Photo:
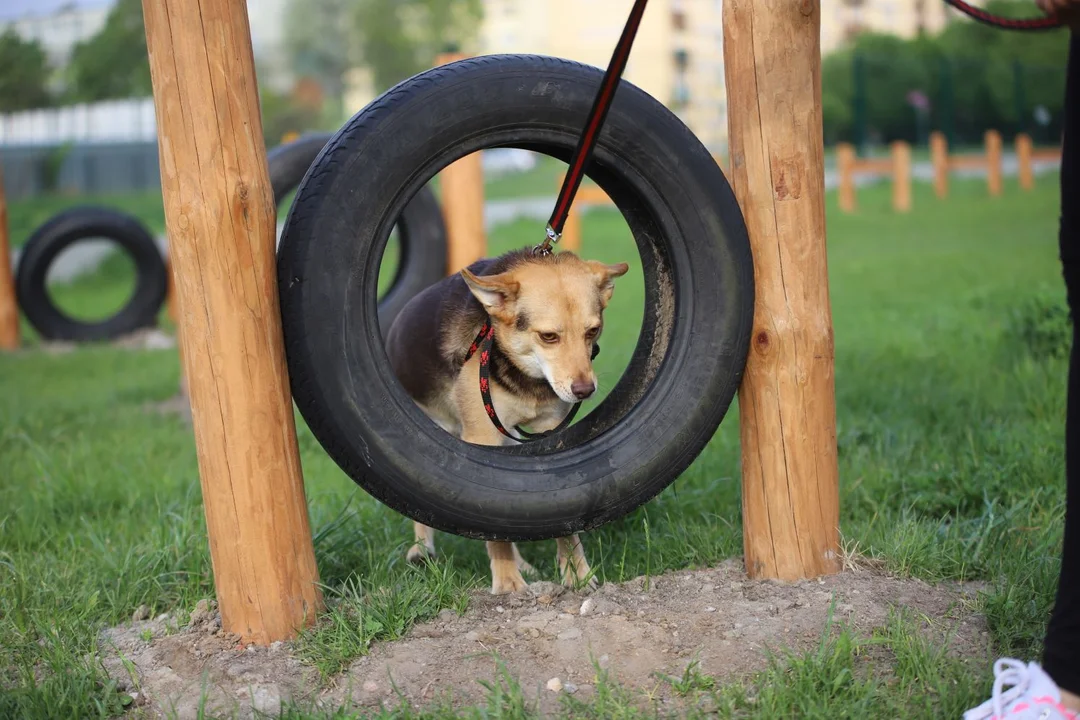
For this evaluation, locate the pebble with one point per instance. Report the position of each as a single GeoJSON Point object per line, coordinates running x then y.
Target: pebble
{"type": "Point", "coordinates": [276, 646]}
{"type": "Point", "coordinates": [472, 636]}
{"type": "Point", "coordinates": [554, 684]}
{"type": "Point", "coordinates": [570, 688]}
{"type": "Point", "coordinates": [545, 600]}
{"type": "Point", "coordinates": [570, 634]}
{"type": "Point", "coordinates": [446, 615]}
{"type": "Point", "coordinates": [710, 609]}
{"type": "Point", "coordinates": [141, 613]}
{"type": "Point", "coordinates": [499, 609]}
{"type": "Point", "coordinates": [587, 607]}
{"type": "Point", "coordinates": [370, 686]}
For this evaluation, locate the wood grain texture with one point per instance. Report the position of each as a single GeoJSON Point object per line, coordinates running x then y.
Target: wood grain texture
{"type": "Point", "coordinates": [462, 186]}
{"type": "Point", "coordinates": [9, 306]}
{"type": "Point", "coordinates": [220, 219]}
{"type": "Point", "coordinates": [787, 410]}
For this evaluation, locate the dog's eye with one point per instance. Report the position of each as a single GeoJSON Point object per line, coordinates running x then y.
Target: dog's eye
{"type": "Point", "coordinates": [549, 337]}
{"type": "Point", "coordinates": [591, 333]}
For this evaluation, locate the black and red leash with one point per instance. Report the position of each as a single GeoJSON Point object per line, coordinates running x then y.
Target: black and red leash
{"type": "Point", "coordinates": [588, 138]}
{"type": "Point", "coordinates": [1004, 23]}
{"type": "Point", "coordinates": [484, 343]}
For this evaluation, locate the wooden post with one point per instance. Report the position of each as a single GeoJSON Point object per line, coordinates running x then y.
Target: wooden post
{"type": "Point", "coordinates": [571, 234]}
{"type": "Point", "coordinates": [1023, 160]}
{"type": "Point", "coordinates": [845, 167]}
{"type": "Point", "coordinates": [9, 306]}
{"type": "Point", "coordinates": [787, 404]}
{"type": "Point", "coordinates": [993, 162]}
{"type": "Point", "coordinates": [220, 218]}
{"type": "Point", "coordinates": [939, 156]}
{"type": "Point", "coordinates": [462, 185]}
{"type": "Point", "coordinates": [901, 172]}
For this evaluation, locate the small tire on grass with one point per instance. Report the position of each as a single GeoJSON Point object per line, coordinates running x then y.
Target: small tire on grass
{"type": "Point", "coordinates": [86, 223]}
{"type": "Point", "coordinates": [691, 352]}
{"type": "Point", "coordinates": [422, 239]}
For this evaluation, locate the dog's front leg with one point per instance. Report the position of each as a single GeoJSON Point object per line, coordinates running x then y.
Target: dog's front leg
{"type": "Point", "coordinates": [572, 563]}
{"type": "Point", "coordinates": [425, 544]}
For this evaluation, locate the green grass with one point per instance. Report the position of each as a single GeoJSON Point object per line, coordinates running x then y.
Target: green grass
{"type": "Point", "coordinates": [950, 382]}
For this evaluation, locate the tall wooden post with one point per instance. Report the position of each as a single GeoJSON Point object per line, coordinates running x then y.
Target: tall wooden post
{"type": "Point", "coordinates": [845, 167]}
{"type": "Point", "coordinates": [939, 157]}
{"type": "Point", "coordinates": [219, 214]}
{"type": "Point", "coordinates": [1025, 172]}
{"type": "Point", "coordinates": [993, 162]}
{"type": "Point", "coordinates": [462, 186]}
{"type": "Point", "coordinates": [787, 405]}
{"type": "Point", "coordinates": [901, 172]}
{"type": "Point", "coordinates": [9, 306]}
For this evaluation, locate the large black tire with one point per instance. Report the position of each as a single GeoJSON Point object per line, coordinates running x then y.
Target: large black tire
{"type": "Point", "coordinates": [686, 368]}
{"type": "Point", "coordinates": [67, 228]}
{"type": "Point", "coordinates": [421, 230]}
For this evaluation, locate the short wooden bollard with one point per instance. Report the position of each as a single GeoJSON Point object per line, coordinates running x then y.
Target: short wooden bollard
{"type": "Point", "coordinates": [1025, 173]}
{"type": "Point", "coordinates": [220, 219]}
{"type": "Point", "coordinates": [898, 166]}
{"type": "Point", "coordinates": [993, 162]}
{"type": "Point", "coordinates": [901, 185]}
{"type": "Point", "coordinates": [787, 403]}
{"type": "Point", "coordinates": [939, 158]}
{"type": "Point", "coordinates": [9, 306]}
{"type": "Point", "coordinates": [586, 194]}
{"type": "Point", "coordinates": [462, 188]}
{"type": "Point", "coordinates": [845, 166]}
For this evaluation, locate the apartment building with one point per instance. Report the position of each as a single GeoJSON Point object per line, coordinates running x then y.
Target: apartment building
{"type": "Point", "coordinates": [841, 20]}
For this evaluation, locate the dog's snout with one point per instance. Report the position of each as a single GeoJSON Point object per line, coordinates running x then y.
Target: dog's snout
{"type": "Point", "coordinates": [582, 388]}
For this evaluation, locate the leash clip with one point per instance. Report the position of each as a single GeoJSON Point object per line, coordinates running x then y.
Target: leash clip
{"type": "Point", "coordinates": [544, 248]}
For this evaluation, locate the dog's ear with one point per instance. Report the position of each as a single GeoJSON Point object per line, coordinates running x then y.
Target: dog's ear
{"type": "Point", "coordinates": [605, 278]}
{"type": "Point", "coordinates": [497, 293]}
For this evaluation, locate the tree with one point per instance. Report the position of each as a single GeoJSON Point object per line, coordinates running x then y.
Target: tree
{"type": "Point", "coordinates": [24, 72]}
{"type": "Point", "coordinates": [113, 63]}
{"type": "Point", "coordinates": [399, 38]}
{"type": "Point", "coordinates": [318, 41]}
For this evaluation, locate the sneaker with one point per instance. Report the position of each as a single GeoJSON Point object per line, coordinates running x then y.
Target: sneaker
{"type": "Point", "coordinates": [1032, 695]}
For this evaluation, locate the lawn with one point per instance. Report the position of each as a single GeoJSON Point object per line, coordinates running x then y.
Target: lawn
{"type": "Point", "coordinates": [950, 377]}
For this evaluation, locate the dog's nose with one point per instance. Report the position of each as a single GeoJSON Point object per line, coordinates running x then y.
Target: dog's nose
{"type": "Point", "coordinates": [583, 390]}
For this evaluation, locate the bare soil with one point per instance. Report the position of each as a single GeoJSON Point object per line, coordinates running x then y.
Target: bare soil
{"type": "Point", "coordinates": [637, 631]}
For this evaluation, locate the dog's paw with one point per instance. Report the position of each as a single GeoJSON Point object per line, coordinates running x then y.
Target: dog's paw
{"type": "Point", "coordinates": [419, 554]}
{"type": "Point", "coordinates": [508, 583]}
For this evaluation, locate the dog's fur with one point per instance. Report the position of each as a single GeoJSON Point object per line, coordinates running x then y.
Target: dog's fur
{"type": "Point", "coordinates": [547, 312]}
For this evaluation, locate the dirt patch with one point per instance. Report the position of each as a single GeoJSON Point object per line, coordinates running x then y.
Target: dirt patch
{"type": "Point", "coordinates": [548, 638]}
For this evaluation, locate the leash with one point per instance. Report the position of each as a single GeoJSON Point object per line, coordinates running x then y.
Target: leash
{"type": "Point", "coordinates": [483, 342]}
{"type": "Point", "coordinates": [587, 141]}
{"type": "Point", "coordinates": [1004, 23]}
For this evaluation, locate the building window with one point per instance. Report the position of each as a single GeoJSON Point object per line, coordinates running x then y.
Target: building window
{"type": "Point", "coordinates": [682, 58]}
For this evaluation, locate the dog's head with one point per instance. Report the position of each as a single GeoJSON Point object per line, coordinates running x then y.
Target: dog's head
{"type": "Point", "coordinates": [548, 313]}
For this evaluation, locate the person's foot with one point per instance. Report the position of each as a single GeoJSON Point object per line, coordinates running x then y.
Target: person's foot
{"type": "Point", "coordinates": [1031, 695]}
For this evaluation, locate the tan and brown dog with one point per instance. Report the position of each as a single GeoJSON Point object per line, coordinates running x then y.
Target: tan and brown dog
{"type": "Point", "coordinates": [547, 313]}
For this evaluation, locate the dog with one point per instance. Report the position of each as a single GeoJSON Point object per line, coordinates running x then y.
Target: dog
{"type": "Point", "coordinates": [546, 313]}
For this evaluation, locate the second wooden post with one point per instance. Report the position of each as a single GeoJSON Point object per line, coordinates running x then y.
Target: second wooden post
{"type": "Point", "coordinates": [9, 306]}
{"type": "Point", "coordinates": [787, 406]}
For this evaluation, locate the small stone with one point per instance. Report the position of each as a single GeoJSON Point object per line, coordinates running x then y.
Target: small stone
{"type": "Point", "coordinates": [499, 609]}
{"type": "Point", "coordinates": [570, 688]}
{"type": "Point", "coordinates": [554, 684]}
{"type": "Point", "coordinates": [162, 617]}
{"type": "Point", "coordinates": [276, 646]}
{"type": "Point", "coordinates": [587, 607]}
{"type": "Point", "coordinates": [570, 634]}
{"type": "Point", "coordinates": [141, 613]}
{"type": "Point", "coordinates": [472, 636]}
{"type": "Point", "coordinates": [534, 633]}
{"type": "Point", "coordinates": [371, 686]}
{"type": "Point", "coordinates": [710, 609]}
{"type": "Point", "coordinates": [446, 615]}
{"type": "Point", "coordinates": [545, 600]}
{"type": "Point", "coordinates": [603, 661]}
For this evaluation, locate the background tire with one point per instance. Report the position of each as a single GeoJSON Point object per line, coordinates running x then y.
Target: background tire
{"type": "Point", "coordinates": [67, 228]}
{"type": "Point", "coordinates": [690, 356]}
{"type": "Point", "coordinates": [421, 229]}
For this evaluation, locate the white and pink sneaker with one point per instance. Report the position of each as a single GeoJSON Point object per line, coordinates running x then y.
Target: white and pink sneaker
{"type": "Point", "coordinates": [1032, 695]}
